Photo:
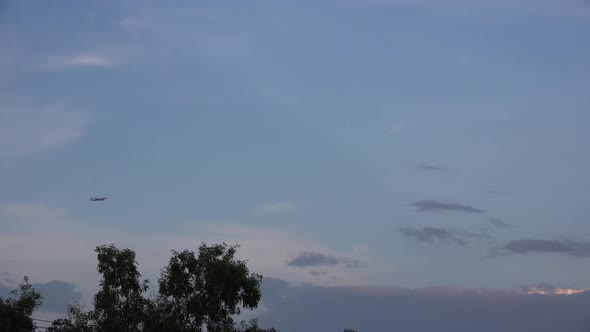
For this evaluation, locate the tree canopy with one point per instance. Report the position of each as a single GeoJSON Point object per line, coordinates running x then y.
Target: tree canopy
{"type": "Point", "coordinates": [16, 311]}
{"type": "Point", "coordinates": [200, 291]}
{"type": "Point", "coordinates": [119, 305]}
{"type": "Point", "coordinates": [205, 289]}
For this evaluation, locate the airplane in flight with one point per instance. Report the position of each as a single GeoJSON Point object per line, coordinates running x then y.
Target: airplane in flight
{"type": "Point", "coordinates": [97, 199]}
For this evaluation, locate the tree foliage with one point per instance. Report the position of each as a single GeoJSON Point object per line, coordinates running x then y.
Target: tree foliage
{"type": "Point", "coordinates": [119, 304]}
{"type": "Point", "coordinates": [16, 311]}
{"type": "Point", "coordinates": [206, 289]}
{"type": "Point", "coordinates": [253, 326]}
{"type": "Point", "coordinates": [196, 292]}
{"type": "Point", "coordinates": [76, 321]}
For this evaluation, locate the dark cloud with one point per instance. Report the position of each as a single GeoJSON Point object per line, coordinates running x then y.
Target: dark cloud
{"type": "Point", "coordinates": [434, 206]}
{"type": "Point", "coordinates": [352, 263]}
{"type": "Point", "coordinates": [432, 234]}
{"type": "Point", "coordinates": [9, 281]}
{"type": "Point", "coordinates": [499, 222]}
{"type": "Point", "coordinates": [421, 310]}
{"type": "Point", "coordinates": [314, 259]}
{"type": "Point", "coordinates": [565, 247]}
{"type": "Point", "coordinates": [428, 167]}
{"type": "Point", "coordinates": [473, 235]}
{"type": "Point", "coordinates": [317, 273]}
{"type": "Point", "coordinates": [4, 290]}
{"type": "Point", "coordinates": [441, 235]}
{"type": "Point", "coordinates": [56, 294]}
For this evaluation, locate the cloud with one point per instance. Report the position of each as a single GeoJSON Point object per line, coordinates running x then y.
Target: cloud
{"type": "Point", "coordinates": [27, 128]}
{"type": "Point", "coordinates": [61, 62]}
{"type": "Point", "coordinates": [545, 289]}
{"type": "Point", "coordinates": [136, 23]}
{"type": "Point", "coordinates": [564, 247]}
{"type": "Point", "coordinates": [276, 208]}
{"type": "Point", "coordinates": [315, 259]}
{"type": "Point", "coordinates": [428, 167]}
{"type": "Point", "coordinates": [56, 294]}
{"type": "Point", "coordinates": [4, 290]}
{"type": "Point", "coordinates": [419, 310]}
{"type": "Point", "coordinates": [434, 206]}
{"type": "Point", "coordinates": [361, 248]}
{"type": "Point", "coordinates": [352, 263]}
{"type": "Point", "coordinates": [431, 235]}
{"type": "Point", "coordinates": [30, 217]}
{"type": "Point", "coordinates": [499, 222]}
{"type": "Point", "coordinates": [63, 249]}
{"type": "Point", "coordinates": [474, 235]}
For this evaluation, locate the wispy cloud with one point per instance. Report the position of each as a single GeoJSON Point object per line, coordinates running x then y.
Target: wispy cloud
{"type": "Point", "coordinates": [315, 259]}
{"type": "Point", "coordinates": [135, 23]}
{"type": "Point", "coordinates": [429, 167]}
{"type": "Point", "coordinates": [307, 259]}
{"type": "Point", "coordinates": [29, 217]}
{"type": "Point", "coordinates": [61, 62]}
{"type": "Point", "coordinates": [432, 235]}
{"type": "Point", "coordinates": [434, 206]}
{"type": "Point", "coordinates": [435, 235]}
{"type": "Point", "coordinates": [499, 222]}
{"type": "Point", "coordinates": [276, 208]}
{"type": "Point", "coordinates": [27, 128]}
{"type": "Point", "coordinates": [361, 248]}
{"type": "Point", "coordinates": [545, 289]}
{"type": "Point", "coordinates": [563, 247]}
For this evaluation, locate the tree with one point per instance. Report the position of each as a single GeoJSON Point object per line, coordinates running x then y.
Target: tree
{"type": "Point", "coordinates": [61, 325]}
{"type": "Point", "coordinates": [76, 321]}
{"type": "Point", "coordinates": [119, 305]}
{"type": "Point", "coordinates": [253, 327]}
{"type": "Point", "coordinates": [206, 290]}
{"type": "Point", "coordinates": [16, 311]}
{"type": "Point", "coordinates": [195, 292]}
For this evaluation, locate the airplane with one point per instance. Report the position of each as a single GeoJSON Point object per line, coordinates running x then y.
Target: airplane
{"type": "Point", "coordinates": [97, 199]}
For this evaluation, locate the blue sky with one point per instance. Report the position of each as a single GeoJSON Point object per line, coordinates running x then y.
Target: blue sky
{"type": "Point", "coordinates": [435, 143]}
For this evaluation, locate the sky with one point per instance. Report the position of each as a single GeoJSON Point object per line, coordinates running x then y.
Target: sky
{"type": "Point", "coordinates": [406, 154]}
